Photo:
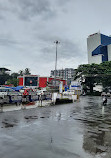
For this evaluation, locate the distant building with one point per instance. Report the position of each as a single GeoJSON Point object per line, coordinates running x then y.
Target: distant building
{"type": "Point", "coordinates": [67, 74]}
{"type": "Point", "coordinates": [99, 48]}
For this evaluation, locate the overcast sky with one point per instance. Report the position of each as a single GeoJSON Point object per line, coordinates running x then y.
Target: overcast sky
{"type": "Point", "coordinates": [28, 29]}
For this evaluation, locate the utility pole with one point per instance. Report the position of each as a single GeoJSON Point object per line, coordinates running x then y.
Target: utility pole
{"type": "Point", "coordinates": [56, 42]}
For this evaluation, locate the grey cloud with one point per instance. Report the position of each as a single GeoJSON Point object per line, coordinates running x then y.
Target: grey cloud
{"type": "Point", "coordinates": [67, 49]}
{"type": "Point", "coordinates": [63, 2]}
{"type": "Point", "coordinates": [1, 17]}
{"type": "Point", "coordinates": [30, 28]}
{"type": "Point", "coordinates": [7, 41]}
{"type": "Point", "coordinates": [26, 9]}
{"type": "Point", "coordinates": [32, 8]}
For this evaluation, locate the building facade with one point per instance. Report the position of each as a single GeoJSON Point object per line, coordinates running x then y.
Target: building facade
{"type": "Point", "coordinates": [98, 48]}
{"type": "Point", "coordinates": [35, 81]}
{"type": "Point", "coordinates": [28, 80]}
{"type": "Point", "coordinates": [67, 73]}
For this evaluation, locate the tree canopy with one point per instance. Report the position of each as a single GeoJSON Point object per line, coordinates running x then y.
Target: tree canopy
{"type": "Point", "coordinates": [95, 73]}
{"type": "Point", "coordinates": [6, 78]}
{"type": "Point", "coordinates": [24, 72]}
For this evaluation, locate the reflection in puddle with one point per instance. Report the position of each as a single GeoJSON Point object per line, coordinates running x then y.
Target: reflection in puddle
{"type": "Point", "coordinates": [102, 110]}
{"type": "Point", "coordinates": [81, 129]}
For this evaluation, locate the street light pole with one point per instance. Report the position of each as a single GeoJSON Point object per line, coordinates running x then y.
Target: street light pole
{"type": "Point", "coordinates": [56, 42]}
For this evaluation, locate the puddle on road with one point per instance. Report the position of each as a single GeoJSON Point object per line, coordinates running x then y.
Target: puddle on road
{"type": "Point", "coordinates": [31, 117]}
{"type": "Point", "coordinates": [88, 115]}
{"type": "Point", "coordinates": [6, 123]}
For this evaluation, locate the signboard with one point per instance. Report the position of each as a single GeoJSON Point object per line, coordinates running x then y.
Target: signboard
{"type": "Point", "coordinates": [31, 81]}
{"type": "Point", "coordinates": [75, 85]}
{"type": "Point", "coordinates": [60, 87]}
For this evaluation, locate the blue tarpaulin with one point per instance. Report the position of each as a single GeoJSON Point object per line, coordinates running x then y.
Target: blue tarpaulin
{"type": "Point", "coordinates": [16, 88]}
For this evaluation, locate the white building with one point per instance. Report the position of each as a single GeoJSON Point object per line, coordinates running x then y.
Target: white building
{"type": "Point", "coordinates": [98, 48]}
{"type": "Point", "coordinates": [67, 73]}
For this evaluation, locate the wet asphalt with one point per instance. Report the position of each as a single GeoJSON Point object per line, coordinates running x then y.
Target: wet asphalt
{"type": "Point", "coordinates": [76, 130]}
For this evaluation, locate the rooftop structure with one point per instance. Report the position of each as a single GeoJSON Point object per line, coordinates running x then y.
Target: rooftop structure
{"type": "Point", "coordinates": [2, 70]}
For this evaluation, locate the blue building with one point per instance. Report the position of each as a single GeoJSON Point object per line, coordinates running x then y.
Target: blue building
{"type": "Point", "coordinates": [99, 48]}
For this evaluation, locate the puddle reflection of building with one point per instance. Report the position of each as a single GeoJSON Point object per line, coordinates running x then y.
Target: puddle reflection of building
{"type": "Point", "coordinates": [96, 140]}
{"type": "Point", "coordinates": [97, 135]}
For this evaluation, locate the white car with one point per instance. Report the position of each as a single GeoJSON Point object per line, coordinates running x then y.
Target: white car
{"type": "Point", "coordinates": [41, 92]}
{"type": "Point", "coordinates": [69, 92]}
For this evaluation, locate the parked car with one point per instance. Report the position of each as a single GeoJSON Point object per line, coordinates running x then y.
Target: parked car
{"type": "Point", "coordinates": [43, 92]}
{"type": "Point", "coordinates": [69, 92]}
{"type": "Point", "coordinates": [8, 91]}
{"type": "Point", "coordinates": [8, 95]}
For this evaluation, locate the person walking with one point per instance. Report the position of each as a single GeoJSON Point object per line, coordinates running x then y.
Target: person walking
{"type": "Point", "coordinates": [104, 100]}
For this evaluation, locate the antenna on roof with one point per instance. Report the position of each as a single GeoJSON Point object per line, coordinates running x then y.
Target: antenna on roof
{"type": "Point", "coordinates": [99, 31]}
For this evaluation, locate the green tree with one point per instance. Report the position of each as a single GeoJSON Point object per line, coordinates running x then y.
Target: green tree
{"type": "Point", "coordinates": [21, 73]}
{"type": "Point", "coordinates": [106, 77]}
{"type": "Point", "coordinates": [14, 75]}
{"type": "Point", "coordinates": [24, 72]}
{"type": "Point", "coordinates": [13, 81]}
{"type": "Point", "coordinates": [95, 73]}
{"type": "Point", "coordinates": [4, 77]}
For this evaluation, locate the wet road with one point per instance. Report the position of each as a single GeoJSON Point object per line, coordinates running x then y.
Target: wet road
{"type": "Point", "coordinates": [78, 130]}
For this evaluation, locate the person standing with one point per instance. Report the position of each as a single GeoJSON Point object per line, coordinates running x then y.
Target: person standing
{"type": "Point", "coordinates": [104, 100]}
